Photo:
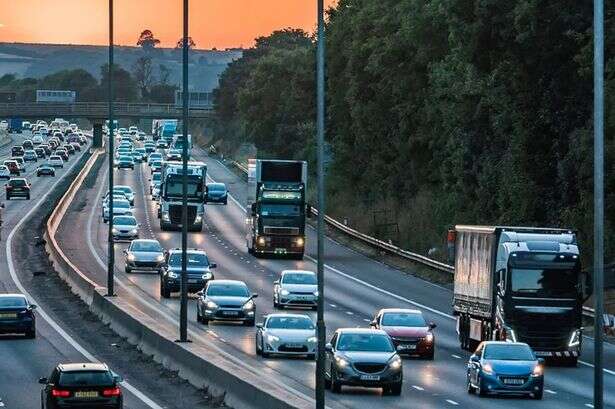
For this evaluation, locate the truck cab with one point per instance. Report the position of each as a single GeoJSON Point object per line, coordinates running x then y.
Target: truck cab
{"type": "Point", "coordinates": [171, 194]}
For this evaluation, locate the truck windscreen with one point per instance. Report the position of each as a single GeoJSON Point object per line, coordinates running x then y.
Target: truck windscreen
{"type": "Point", "coordinates": [174, 187]}
{"type": "Point", "coordinates": [280, 210]}
{"type": "Point", "coordinates": [554, 282]}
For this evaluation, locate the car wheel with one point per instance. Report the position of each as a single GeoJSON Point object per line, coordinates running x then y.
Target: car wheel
{"type": "Point", "coordinates": [164, 291]}
{"type": "Point", "coordinates": [264, 353]}
{"type": "Point", "coordinates": [336, 387]}
{"type": "Point", "coordinates": [395, 390]}
{"type": "Point", "coordinates": [538, 395]}
{"type": "Point", "coordinates": [249, 323]}
{"type": "Point", "coordinates": [257, 347]}
{"type": "Point", "coordinates": [275, 304]}
{"type": "Point", "coordinates": [31, 334]}
{"type": "Point", "coordinates": [199, 318]}
{"type": "Point", "coordinates": [128, 270]}
{"type": "Point", "coordinates": [480, 391]}
{"type": "Point", "coordinates": [471, 389]}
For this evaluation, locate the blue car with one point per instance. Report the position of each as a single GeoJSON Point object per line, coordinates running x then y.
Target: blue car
{"type": "Point", "coordinates": [217, 193]}
{"type": "Point", "coordinates": [17, 315]}
{"type": "Point", "coordinates": [507, 368]}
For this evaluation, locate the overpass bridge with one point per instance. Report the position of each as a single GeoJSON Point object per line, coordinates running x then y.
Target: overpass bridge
{"type": "Point", "coordinates": [98, 111]}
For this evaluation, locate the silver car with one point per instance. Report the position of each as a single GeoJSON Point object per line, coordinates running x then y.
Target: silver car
{"type": "Point", "coordinates": [286, 334]}
{"type": "Point", "coordinates": [125, 228]}
{"type": "Point", "coordinates": [144, 255]}
{"type": "Point", "coordinates": [120, 208]}
{"type": "Point", "coordinates": [296, 288]}
{"type": "Point", "coordinates": [128, 192]}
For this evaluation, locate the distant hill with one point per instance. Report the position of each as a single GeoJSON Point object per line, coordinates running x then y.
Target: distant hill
{"type": "Point", "coordinates": [38, 60]}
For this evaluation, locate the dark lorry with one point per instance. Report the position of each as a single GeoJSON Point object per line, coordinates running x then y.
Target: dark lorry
{"type": "Point", "coordinates": [276, 207]}
{"type": "Point", "coordinates": [520, 284]}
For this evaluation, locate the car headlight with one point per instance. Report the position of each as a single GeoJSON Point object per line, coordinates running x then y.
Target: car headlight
{"type": "Point", "coordinates": [114, 230]}
{"type": "Point", "coordinates": [316, 293]}
{"type": "Point", "coordinates": [160, 257]}
{"type": "Point", "coordinates": [575, 338]}
{"type": "Point", "coordinates": [312, 340]}
{"type": "Point", "coordinates": [341, 362]}
{"type": "Point", "coordinates": [206, 276]}
{"type": "Point", "coordinates": [511, 336]}
{"type": "Point", "coordinates": [212, 305]}
{"type": "Point", "coordinates": [429, 338]}
{"type": "Point", "coordinates": [131, 257]}
{"type": "Point", "coordinates": [272, 338]}
{"type": "Point", "coordinates": [284, 292]}
{"type": "Point", "coordinates": [249, 305]}
{"type": "Point", "coordinates": [538, 370]}
{"type": "Point", "coordinates": [173, 274]}
{"type": "Point", "coordinates": [395, 363]}
{"type": "Point", "coordinates": [488, 369]}
{"type": "Point", "coordinates": [134, 231]}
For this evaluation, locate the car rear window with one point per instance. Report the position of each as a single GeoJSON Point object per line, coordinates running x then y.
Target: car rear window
{"type": "Point", "coordinates": [508, 352]}
{"type": "Point", "coordinates": [86, 378]}
{"type": "Point", "coordinates": [299, 278]}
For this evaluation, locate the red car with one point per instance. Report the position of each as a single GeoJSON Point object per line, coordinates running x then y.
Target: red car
{"type": "Point", "coordinates": [410, 333]}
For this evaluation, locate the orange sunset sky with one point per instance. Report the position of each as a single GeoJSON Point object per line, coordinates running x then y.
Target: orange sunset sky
{"type": "Point", "coordinates": [213, 23]}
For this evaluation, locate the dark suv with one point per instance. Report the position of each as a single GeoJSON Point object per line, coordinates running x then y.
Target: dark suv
{"type": "Point", "coordinates": [89, 385]}
{"type": "Point", "coordinates": [17, 151]}
{"type": "Point", "coordinates": [17, 187]}
{"type": "Point", "coordinates": [197, 266]}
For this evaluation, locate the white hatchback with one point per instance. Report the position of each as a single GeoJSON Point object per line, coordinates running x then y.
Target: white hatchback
{"type": "Point", "coordinates": [5, 173]}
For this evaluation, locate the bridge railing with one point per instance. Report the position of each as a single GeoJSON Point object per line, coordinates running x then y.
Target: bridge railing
{"type": "Point", "coordinates": [96, 109]}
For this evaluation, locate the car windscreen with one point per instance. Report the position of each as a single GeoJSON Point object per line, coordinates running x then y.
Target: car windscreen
{"type": "Point", "coordinates": [148, 246]}
{"type": "Point", "coordinates": [125, 189]}
{"type": "Point", "coordinates": [299, 278]}
{"type": "Point", "coordinates": [365, 342]}
{"type": "Point", "coordinates": [12, 302]}
{"type": "Point", "coordinates": [508, 352]}
{"type": "Point", "coordinates": [396, 319]}
{"type": "Point", "coordinates": [124, 221]}
{"type": "Point", "coordinates": [545, 282]}
{"type": "Point", "coordinates": [194, 259]}
{"type": "Point", "coordinates": [121, 204]}
{"type": "Point", "coordinates": [290, 323]}
{"type": "Point", "coordinates": [227, 290]}
{"type": "Point", "coordinates": [86, 378]}
{"type": "Point", "coordinates": [126, 158]}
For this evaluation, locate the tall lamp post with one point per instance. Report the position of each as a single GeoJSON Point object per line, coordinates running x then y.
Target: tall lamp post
{"type": "Point", "coordinates": [111, 256]}
{"type": "Point", "coordinates": [320, 125]}
{"type": "Point", "coordinates": [183, 313]}
{"type": "Point", "coordinates": [598, 200]}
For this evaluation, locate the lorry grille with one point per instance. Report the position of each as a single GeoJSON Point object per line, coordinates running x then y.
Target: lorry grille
{"type": "Point", "coordinates": [175, 214]}
{"type": "Point", "coordinates": [545, 340]}
{"type": "Point", "coordinates": [281, 230]}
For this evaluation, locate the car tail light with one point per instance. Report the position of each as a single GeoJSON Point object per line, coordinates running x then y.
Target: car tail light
{"type": "Point", "coordinates": [59, 393]}
{"type": "Point", "coordinates": [112, 391]}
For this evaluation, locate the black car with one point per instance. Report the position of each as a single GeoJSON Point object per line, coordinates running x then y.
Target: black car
{"type": "Point", "coordinates": [46, 147]}
{"type": "Point", "coordinates": [226, 300]}
{"type": "Point", "coordinates": [198, 268]}
{"type": "Point", "coordinates": [76, 146]}
{"type": "Point", "coordinates": [27, 144]}
{"type": "Point", "coordinates": [217, 193]}
{"type": "Point", "coordinates": [62, 153]}
{"type": "Point", "coordinates": [82, 385]}
{"type": "Point", "coordinates": [17, 151]}
{"type": "Point", "coordinates": [45, 170]}
{"type": "Point", "coordinates": [17, 187]}
{"type": "Point", "coordinates": [17, 315]}
{"type": "Point", "coordinates": [69, 148]}
{"type": "Point", "coordinates": [40, 152]}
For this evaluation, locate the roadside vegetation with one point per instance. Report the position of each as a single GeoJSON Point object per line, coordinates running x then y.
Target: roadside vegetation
{"type": "Point", "coordinates": [439, 112]}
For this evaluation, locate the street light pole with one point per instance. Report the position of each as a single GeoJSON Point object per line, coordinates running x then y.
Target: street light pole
{"type": "Point", "coordinates": [183, 319]}
{"type": "Point", "coordinates": [598, 200]}
{"type": "Point", "coordinates": [320, 125]}
{"type": "Point", "coordinates": [111, 256]}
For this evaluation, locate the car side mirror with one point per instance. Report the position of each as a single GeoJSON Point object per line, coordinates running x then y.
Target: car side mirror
{"type": "Point", "coordinates": [474, 358]}
{"type": "Point", "coordinates": [117, 378]}
{"type": "Point", "coordinates": [254, 295]}
{"type": "Point", "coordinates": [373, 323]}
{"type": "Point", "coordinates": [199, 293]}
{"type": "Point", "coordinates": [276, 282]}
{"type": "Point", "coordinates": [43, 381]}
{"type": "Point", "coordinates": [259, 325]}
{"type": "Point", "coordinates": [541, 361]}
{"type": "Point", "coordinates": [33, 306]}
{"type": "Point", "coordinates": [328, 347]}
{"type": "Point", "coordinates": [432, 325]}
{"type": "Point", "coordinates": [213, 265]}
{"type": "Point", "coordinates": [125, 252]}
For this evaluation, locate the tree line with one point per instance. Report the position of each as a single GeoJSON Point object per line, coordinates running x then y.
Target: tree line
{"type": "Point", "coordinates": [438, 113]}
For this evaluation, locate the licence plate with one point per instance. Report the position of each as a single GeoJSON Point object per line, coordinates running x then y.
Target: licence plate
{"type": "Point", "coordinates": [513, 381]}
{"type": "Point", "coordinates": [406, 347]}
{"type": "Point", "coordinates": [279, 250]}
{"type": "Point", "coordinates": [294, 346]}
{"type": "Point", "coordinates": [543, 353]}
{"type": "Point", "coordinates": [86, 394]}
{"type": "Point", "coordinates": [231, 313]}
{"type": "Point", "coordinates": [370, 377]}
{"type": "Point", "coordinates": [8, 315]}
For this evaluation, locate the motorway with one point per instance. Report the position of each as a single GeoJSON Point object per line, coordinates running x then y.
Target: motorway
{"type": "Point", "coordinates": [24, 361]}
{"type": "Point", "coordinates": [355, 288]}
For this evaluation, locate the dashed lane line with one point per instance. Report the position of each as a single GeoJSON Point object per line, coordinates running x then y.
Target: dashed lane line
{"type": "Point", "coordinates": [452, 402]}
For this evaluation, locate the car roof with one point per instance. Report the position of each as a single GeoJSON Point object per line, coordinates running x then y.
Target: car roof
{"type": "Point", "coordinates": [80, 367]}
{"type": "Point", "coordinates": [298, 272]}
{"type": "Point", "coordinates": [401, 310]}
{"type": "Point", "coordinates": [360, 331]}
{"type": "Point", "coordinates": [227, 282]}
{"type": "Point", "coordinates": [12, 295]}
{"type": "Point", "coordinates": [288, 314]}
{"type": "Point", "coordinates": [145, 241]}
{"type": "Point", "coordinates": [193, 251]}
{"type": "Point", "coordinates": [504, 343]}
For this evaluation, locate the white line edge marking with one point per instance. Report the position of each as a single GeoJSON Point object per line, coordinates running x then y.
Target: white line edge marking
{"type": "Point", "coordinates": [41, 311]}
{"type": "Point", "coordinates": [373, 287]}
{"type": "Point", "coordinates": [418, 388]}
{"type": "Point", "coordinates": [550, 391]}
{"type": "Point", "coordinates": [452, 402]}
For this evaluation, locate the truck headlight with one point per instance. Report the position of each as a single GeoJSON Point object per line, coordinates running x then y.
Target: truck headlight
{"type": "Point", "coordinates": [261, 241]}
{"type": "Point", "coordinates": [575, 338]}
{"type": "Point", "coordinates": [299, 241]}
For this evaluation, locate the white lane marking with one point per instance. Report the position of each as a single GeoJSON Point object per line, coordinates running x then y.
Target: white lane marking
{"type": "Point", "coordinates": [9, 259]}
{"type": "Point", "coordinates": [349, 312]}
{"type": "Point", "coordinates": [333, 305]}
{"type": "Point", "coordinates": [456, 356]}
{"type": "Point", "coordinates": [550, 391]}
{"type": "Point", "coordinates": [452, 402]}
{"type": "Point", "coordinates": [418, 388]}
{"type": "Point", "coordinates": [589, 405]}
{"type": "Point", "coordinates": [373, 287]}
